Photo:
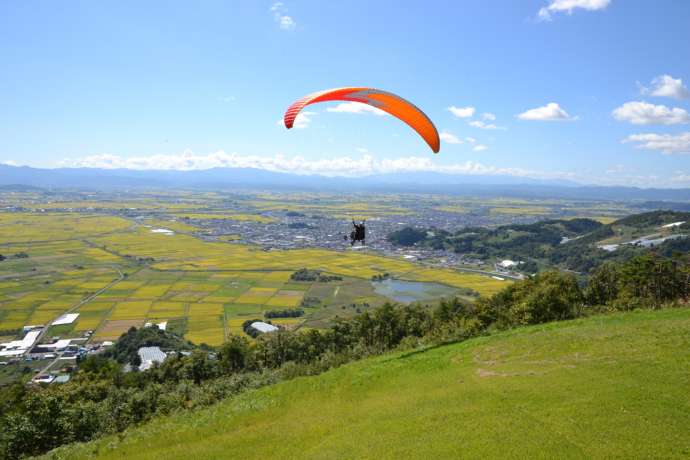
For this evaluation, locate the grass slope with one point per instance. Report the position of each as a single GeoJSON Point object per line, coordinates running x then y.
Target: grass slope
{"type": "Point", "coordinates": [610, 386]}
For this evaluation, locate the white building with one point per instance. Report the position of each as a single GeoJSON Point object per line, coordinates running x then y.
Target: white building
{"type": "Point", "coordinates": [673, 224]}
{"type": "Point", "coordinates": [149, 356]}
{"type": "Point", "coordinates": [264, 327]}
{"type": "Point", "coordinates": [19, 347]}
{"type": "Point", "coordinates": [59, 345]}
{"type": "Point", "coordinates": [507, 263]}
{"type": "Point", "coordinates": [68, 318]}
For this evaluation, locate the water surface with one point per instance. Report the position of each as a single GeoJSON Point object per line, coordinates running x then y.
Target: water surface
{"type": "Point", "coordinates": [411, 291]}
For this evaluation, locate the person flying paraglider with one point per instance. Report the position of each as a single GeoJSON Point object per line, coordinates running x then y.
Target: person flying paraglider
{"type": "Point", "coordinates": [384, 102]}
{"type": "Point", "coordinates": [358, 233]}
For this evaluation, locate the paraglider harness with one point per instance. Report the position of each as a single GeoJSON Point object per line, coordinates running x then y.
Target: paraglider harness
{"type": "Point", "coordinates": [358, 233]}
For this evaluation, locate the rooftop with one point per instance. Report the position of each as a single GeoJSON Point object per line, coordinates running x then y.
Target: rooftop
{"type": "Point", "coordinates": [263, 327]}
{"type": "Point", "coordinates": [149, 356]}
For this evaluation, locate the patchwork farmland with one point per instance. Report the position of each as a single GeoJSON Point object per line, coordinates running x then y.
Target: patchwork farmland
{"type": "Point", "coordinates": [205, 290]}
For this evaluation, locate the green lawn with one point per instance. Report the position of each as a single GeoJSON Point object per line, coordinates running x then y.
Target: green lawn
{"type": "Point", "coordinates": [604, 387]}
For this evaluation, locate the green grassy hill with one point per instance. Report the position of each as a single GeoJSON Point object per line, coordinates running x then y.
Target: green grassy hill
{"type": "Point", "coordinates": [607, 386]}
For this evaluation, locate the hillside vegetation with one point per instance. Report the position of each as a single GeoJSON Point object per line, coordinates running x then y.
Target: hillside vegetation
{"type": "Point", "coordinates": [572, 244]}
{"type": "Point", "coordinates": [102, 399]}
{"type": "Point", "coordinates": [605, 386]}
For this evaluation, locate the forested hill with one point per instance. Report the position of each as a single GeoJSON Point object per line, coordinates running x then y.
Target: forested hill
{"type": "Point", "coordinates": [574, 244]}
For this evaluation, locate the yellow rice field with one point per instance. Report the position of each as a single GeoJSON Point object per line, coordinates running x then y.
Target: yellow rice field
{"type": "Point", "coordinates": [212, 287]}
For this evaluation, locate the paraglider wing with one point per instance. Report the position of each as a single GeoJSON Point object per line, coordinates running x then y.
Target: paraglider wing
{"type": "Point", "coordinates": [383, 100]}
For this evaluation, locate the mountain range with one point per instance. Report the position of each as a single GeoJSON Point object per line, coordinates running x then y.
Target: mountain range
{"type": "Point", "coordinates": [249, 178]}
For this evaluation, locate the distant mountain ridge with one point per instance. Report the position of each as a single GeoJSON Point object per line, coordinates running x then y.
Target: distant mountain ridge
{"type": "Point", "coordinates": [233, 178]}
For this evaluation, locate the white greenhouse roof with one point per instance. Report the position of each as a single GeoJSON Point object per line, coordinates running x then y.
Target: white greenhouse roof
{"type": "Point", "coordinates": [69, 318]}
{"type": "Point", "coordinates": [263, 327]}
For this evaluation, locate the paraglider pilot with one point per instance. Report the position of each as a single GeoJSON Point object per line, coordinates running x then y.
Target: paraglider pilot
{"type": "Point", "coordinates": [358, 234]}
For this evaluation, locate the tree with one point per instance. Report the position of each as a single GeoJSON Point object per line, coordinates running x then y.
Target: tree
{"type": "Point", "coordinates": [199, 367]}
{"type": "Point", "coordinates": [551, 296]}
{"type": "Point", "coordinates": [388, 327]}
{"type": "Point", "coordinates": [233, 354]}
{"type": "Point", "coordinates": [604, 285]}
{"type": "Point", "coordinates": [276, 348]}
{"type": "Point", "coordinates": [408, 236]}
{"type": "Point", "coordinates": [653, 280]}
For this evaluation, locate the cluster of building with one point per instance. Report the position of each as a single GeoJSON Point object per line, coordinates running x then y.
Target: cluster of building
{"type": "Point", "coordinates": [16, 348]}
{"type": "Point", "coordinates": [60, 354]}
{"type": "Point", "coordinates": [648, 241]}
{"type": "Point", "coordinates": [64, 354]}
{"type": "Point", "coordinates": [290, 231]}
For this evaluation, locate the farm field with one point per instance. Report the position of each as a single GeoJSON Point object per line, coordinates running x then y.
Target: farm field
{"type": "Point", "coordinates": [262, 207]}
{"type": "Point", "coordinates": [204, 289]}
{"type": "Point", "coordinates": [180, 265]}
{"type": "Point", "coordinates": [575, 389]}
{"type": "Point", "coordinates": [374, 207]}
{"type": "Point", "coordinates": [225, 216]}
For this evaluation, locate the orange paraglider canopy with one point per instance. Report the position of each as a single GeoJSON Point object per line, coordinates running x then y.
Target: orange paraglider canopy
{"type": "Point", "coordinates": [388, 102]}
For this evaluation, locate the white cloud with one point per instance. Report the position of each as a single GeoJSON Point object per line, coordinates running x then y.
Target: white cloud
{"type": "Point", "coordinates": [481, 125]}
{"type": "Point", "coordinates": [488, 116]}
{"type": "Point", "coordinates": [287, 23]}
{"type": "Point", "coordinates": [356, 107]}
{"type": "Point", "coordinates": [619, 168]}
{"type": "Point", "coordinates": [362, 150]}
{"type": "Point", "coordinates": [281, 17]}
{"type": "Point", "coordinates": [667, 86]}
{"type": "Point", "coordinates": [669, 144]}
{"type": "Point", "coordinates": [449, 138]}
{"type": "Point", "coordinates": [462, 112]}
{"type": "Point", "coordinates": [471, 140]}
{"type": "Point", "coordinates": [480, 148]}
{"type": "Point", "coordinates": [681, 178]}
{"type": "Point", "coordinates": [644, 113]}
{"type": "Point", "coordinates": [334, 166]}
{"type": "Point", "coordinates": [567, 6]}
{"type": "Point", "coordinates": [302, 120]}
{"type": "Point", "coordinates": [550, 112]}
{"type": "Point", "coordinates": [9, 163]}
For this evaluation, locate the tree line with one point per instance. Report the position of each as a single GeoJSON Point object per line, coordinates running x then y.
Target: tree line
{"type": "Point", "coordinates": [304, 274]}
{"type": "Point", "coordinates": [285, 313]}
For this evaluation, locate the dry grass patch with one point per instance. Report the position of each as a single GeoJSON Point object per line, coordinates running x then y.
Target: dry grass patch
{"type": "Point", "coordinates": [151, 292]}
{"type": "Point", "coordinates": [89, 321]}
{"type": "Point", "coordinates": [96, 306]}
{"type": "Point", "coordinates": [169, 308]}
{"type": "Point", "coordinates": [113, 329]}
{"type": "Point", "coordinates": [130, 310]}
{"type": "Point", "coordinates": [285, 300]}
{"type": "Point", "coordinates": [204, 309]}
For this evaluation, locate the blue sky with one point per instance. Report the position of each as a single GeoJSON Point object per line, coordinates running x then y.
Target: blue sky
{"type": "Point", "coordinates": [589, 90]}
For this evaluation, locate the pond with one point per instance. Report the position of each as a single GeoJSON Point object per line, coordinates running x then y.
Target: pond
{"type": "Point", "coordinates": [411, 291]}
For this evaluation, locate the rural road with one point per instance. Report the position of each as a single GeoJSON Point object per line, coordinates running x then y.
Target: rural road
{"type": "Point", "coordinates": [44, 331]}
